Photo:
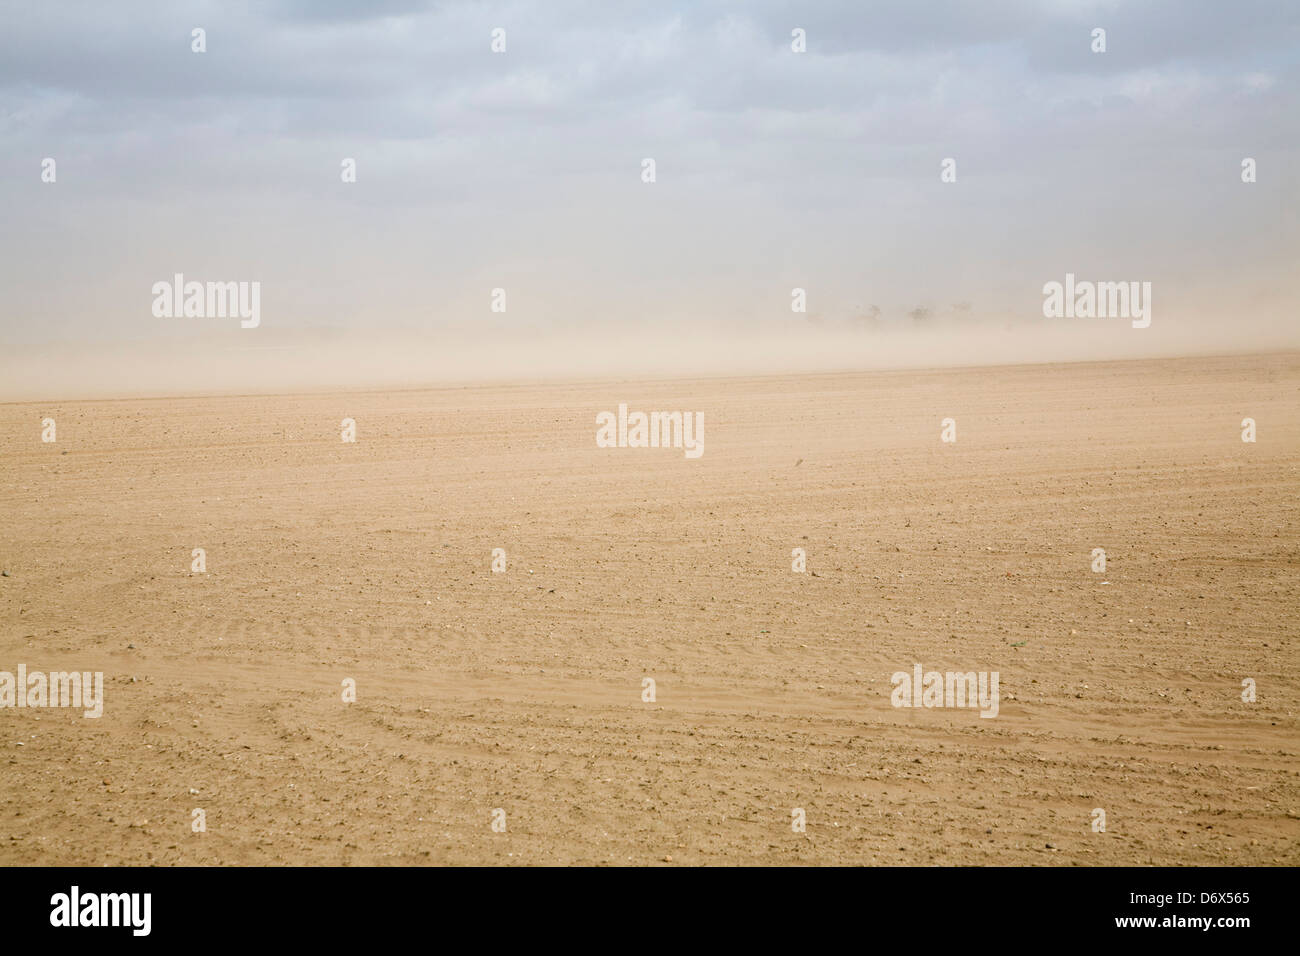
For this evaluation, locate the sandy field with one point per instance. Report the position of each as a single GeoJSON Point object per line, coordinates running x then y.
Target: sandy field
{"type": "Point", "coordinates": [522, 690]}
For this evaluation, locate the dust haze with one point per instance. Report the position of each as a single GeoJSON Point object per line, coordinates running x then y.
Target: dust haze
{"type": "Point", "coordinates": [271, 361]}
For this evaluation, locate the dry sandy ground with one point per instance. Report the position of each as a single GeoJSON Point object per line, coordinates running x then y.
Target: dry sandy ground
{"type": "Point", "coordinates": [522, 690]}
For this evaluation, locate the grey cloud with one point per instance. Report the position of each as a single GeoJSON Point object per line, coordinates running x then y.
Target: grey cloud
{"type": "Point", "coordinates": [476, 167]}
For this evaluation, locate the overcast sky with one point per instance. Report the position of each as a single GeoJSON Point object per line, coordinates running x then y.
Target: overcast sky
{"type": "Point", "coordinates": [522, 169]}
